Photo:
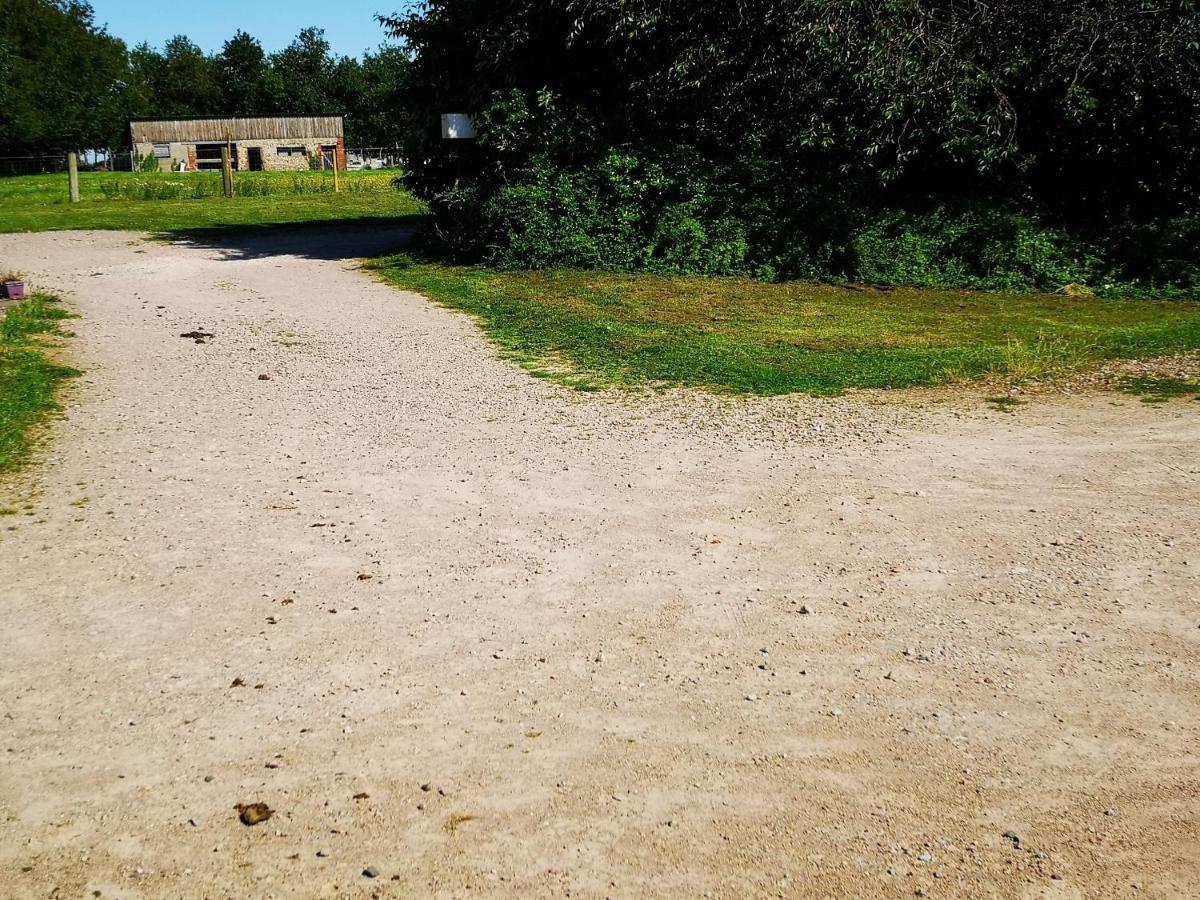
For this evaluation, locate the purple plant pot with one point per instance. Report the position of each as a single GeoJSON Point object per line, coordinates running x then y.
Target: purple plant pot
{"type": "Point", "coordinates": [14, 290]}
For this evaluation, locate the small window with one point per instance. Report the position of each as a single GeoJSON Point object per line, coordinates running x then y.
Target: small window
{"type": "Point", "coordinates": [162, 151]}
{"type": "Point", "coordinates": [289, 151]}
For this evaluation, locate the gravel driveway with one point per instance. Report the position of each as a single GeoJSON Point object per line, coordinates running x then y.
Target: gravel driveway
{"type": "Point", "coordinates": [473, 634]}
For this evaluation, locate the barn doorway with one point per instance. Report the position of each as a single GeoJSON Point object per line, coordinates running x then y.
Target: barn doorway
{"type": "Point", "coordinates": [254, 159]}
{"type": "Point", "coordinates": [328, 155]}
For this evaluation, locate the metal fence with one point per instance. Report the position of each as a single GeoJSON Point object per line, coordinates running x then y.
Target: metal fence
{"type": "Point", "coordinates": [52, 163]}
{"type": "Point", "coordinates": [33, 165]}
{"type": "Point", "coordinates": [373, 158]}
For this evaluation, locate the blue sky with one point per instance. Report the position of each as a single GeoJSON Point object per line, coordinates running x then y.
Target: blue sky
{"type": "Point", "coordinates": [349, 24]}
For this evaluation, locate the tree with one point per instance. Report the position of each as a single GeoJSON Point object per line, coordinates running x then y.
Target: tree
{"type": "Point", "coordinates": [187, 82]}
{"type": "Point", "coordinates": [245, 76]}
{"type": "Point", "coordinates": [304, 70]}
{"type": "Point", "coordinates": [371, 93]}
{"type": "Point", "coordinates": [63, 81]}
{"type": "Point", "coordinates": [798, 122]}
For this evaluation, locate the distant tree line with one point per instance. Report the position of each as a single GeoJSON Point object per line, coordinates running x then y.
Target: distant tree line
{"type": "Point", "coordinates": [997, 143]}
{"type": "Point", "coordinates": [65, 83]}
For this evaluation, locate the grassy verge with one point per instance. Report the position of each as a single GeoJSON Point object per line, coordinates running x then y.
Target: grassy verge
{"type": "Point", "coordinates": [594, 330]}
{"type": "Point", "coordinates": [29, 378]}
{"type": "Point", "coordinates": [192, 200]}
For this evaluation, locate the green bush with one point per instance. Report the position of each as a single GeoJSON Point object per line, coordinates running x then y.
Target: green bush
{"type": "Point", "coordinates": [1008, 144]}
{"type": "Point", "coordinates": [1160, 258]}
{"type": "Point", "coordinates": [685, 241]}
{"type": "Point", "coordinates": [553, 196]}
{"type": "Point", "coordinates": [677, 215]}
{"type": "Point", "coordinates": [977, 246]}
{"type": "Point", "coordinates": [624, 213]}
{"type": "Point", "coordinates": [562, 219]}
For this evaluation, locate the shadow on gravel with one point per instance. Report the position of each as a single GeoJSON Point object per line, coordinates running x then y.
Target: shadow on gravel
{"type": "Point", "coordinates": [343, 239]}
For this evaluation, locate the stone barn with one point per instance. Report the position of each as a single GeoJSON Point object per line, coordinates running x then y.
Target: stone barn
{"type": "Point", "coordinates": [258, 144]}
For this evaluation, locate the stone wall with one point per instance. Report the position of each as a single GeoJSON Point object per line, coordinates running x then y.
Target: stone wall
{"type": "Point", "coordinates": [271, 159]}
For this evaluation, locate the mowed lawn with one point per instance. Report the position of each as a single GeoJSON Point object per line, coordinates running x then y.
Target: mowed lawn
{"type": "Point", "coordinates": [596, 330]}
{"type": "Point", "coordinates": [189, 200]}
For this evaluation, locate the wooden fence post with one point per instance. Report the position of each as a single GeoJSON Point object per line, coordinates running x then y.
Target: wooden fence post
{"type": "Point", "coordinates": [73, 175]}
{"type": "Point", "coordinates": [226, 172]}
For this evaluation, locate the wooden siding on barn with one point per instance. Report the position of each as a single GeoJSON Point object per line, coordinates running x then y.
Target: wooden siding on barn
{"type": "Point", "coordinates": [258, 128]}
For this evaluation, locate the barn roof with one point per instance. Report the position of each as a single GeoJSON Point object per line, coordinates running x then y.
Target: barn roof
{"type": "Point", "coordinates": [239, 128]}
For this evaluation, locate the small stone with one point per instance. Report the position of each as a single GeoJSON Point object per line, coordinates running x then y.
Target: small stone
{"type": "Point", "coordinates": [1014, 838]}
{"type": "Point", "coordinates": [427, 787]}
{"type": "Point", "coordinates": [264, 377]}
{"type": "Point", "coordinates": [322, 854]}
{"type": "Point", "coordinates": [835, 712]}
{"type": "Point", "coordinates": [371, 872]}
{"type": "Point", "coordinates": [208, 779]}
{"type": "Point", "coordinates": [1110, 812]}
{"type": "Point", "coordinates": [620, 798]}
{"type": "Point", "coordinates": [752, 697]}
{"type": "Point", "coordinates": [253, 813]}
{"type": "Point", "coordinates": [925, 857]}
{"type": "Point", "coordinates": [805, 609]}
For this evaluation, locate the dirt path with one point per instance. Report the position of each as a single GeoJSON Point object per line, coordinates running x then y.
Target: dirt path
{"type": "Point", "coordinates": [668, 647]}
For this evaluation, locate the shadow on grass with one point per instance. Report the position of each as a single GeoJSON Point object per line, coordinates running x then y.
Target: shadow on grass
{"type": "Point", "coordinates": [331, 240]}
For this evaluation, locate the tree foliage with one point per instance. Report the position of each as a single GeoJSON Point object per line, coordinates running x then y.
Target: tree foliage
{"type": "Point", "coordinates": [814, 137]}
{"type": "Point", "coordinates": [62, 80]}
{"type": "Point", "coordinates": [67, 84]}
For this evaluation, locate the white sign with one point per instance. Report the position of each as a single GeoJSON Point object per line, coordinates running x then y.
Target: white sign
{"type": "Point", "coordinates": [457, 126]}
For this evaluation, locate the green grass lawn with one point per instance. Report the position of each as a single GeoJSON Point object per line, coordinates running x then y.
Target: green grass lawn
{"type": "Point", "coordinates": [29, 377]}
{"type": "Point", "coordinates": [594, 330]}
{"type": "Point", "coordinates": [191, 200]}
